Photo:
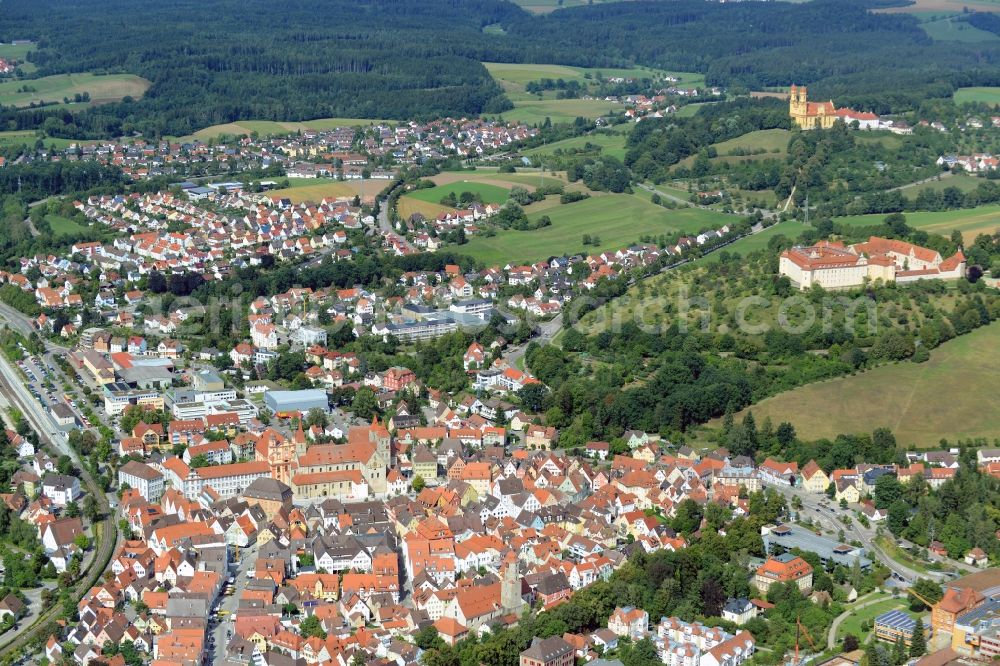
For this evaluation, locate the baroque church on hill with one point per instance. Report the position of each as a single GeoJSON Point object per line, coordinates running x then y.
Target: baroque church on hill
{"type": "Point", "coordinates": [822, 115]}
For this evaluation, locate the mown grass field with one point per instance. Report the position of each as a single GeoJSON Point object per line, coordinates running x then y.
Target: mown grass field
{"type": "Point", "coordinates": [19, 52]}
{"type": "Point", "coordinates": [852, 625]}
{"type": "Point", "coordinates": [276, 128]}
{"type": "Point", "coordinates": [530, 109]}
{"type": "Point", "coordinates": [610, 144]}
{"type": "Point", "coordinates": [986, 95]}
{"type": "Point", "coordinates": [920, 402]}
{"type": "Point", "coordinates": [534, 112]}
{"type": "Point", "coordinates": [689, 110]}
{"type": "Point", "coordinates": [488, 193]}
{"type": "Point", "coordinates": [28, 137]}
{"type": "Point", "coordinates": [970, 221]}
{"type": "Point", "coordinates": [952, 30]}
{"type": "Point", "coordinates": [546, 6]}
{"type": "Point", "coordinates": [17, 137]}
{"type": "Point", "coordinates": [407, 206]}
{"type": "Point", "coordinates": [103, 88]}
{"type": "Point", "coordinates": [308, 189]}
{"type": "Point", "coordinates": [748, 244]}
{"type": "Point", "coordinates": [16, 51]}
{"type": "Point", "coordinates": [519, 74]}
{"type": "Point", "coordinates": [770, 141]}
{"type": "Point", "coordinates": [618, 219]}
{"type": "Point", "coordinates": [773, 143]}
{"type": "Point", "coordinates": [63, 226]}
{"type": "Point", "coordinates": [923, 7]}
{"type": "Point", "coordinates": [962, 181]}
{"type": "Point", "coordinates": [529, 179]}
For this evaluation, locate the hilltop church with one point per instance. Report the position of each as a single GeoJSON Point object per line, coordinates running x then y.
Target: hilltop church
{"type": "Point", "coordinates": [822, 115]}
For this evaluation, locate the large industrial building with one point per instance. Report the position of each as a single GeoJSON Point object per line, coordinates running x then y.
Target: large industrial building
{"type": "Point", "coordinates": [287, 402]}
{"type": "Point", "coordinates": [783, 538]}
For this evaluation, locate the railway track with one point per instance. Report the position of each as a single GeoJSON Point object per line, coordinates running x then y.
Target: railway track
{"type": "Point", "coordinates": [106, 540]}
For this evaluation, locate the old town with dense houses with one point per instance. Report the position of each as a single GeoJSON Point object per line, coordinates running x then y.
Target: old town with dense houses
{"type": "Point", "coordinates": [259, 519]}
{"type": "Point", "coordinates": [250, 428]}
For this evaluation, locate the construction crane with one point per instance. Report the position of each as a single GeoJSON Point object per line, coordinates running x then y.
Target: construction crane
{"type": "Point", "coordinates": [799, 627]}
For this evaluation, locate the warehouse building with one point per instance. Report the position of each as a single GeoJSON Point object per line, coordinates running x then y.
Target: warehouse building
{"type": "Point", "coordinates": [288, 402]}
{"type": "Point", "coordinates": [783, 538]}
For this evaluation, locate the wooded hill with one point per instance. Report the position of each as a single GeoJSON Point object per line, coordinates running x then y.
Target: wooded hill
{"type": "Point", "coordinates": [237, 59]}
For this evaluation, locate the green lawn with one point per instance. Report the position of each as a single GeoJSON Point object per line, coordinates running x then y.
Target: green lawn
{"type": "Point", "coordinates": [534, 112]}
{"type": "Point", "coordinates": [987, 95]}
{"type": "Point", "coordinates": [19, 52]}
{"type": "Point", "coordinates": [789, 229]}
{"type": "Point", "coordinates": [962, 181]}
{"type": "Point", "coordinates": [488, 193]}
{"type": "Point", "coordinates": [276, 128]}
{"type": "Point", "coordinates": [546, 6]}
{"type": "Point", "coordinates": [28, 137]}
{"type": "Point", "coordinates": [852, 624]}
{"type": "Point", "coordinates": [63, 226]}
{"type": "Point", "coordinates": [530, 109]}
{"type": "Point", "coordinates": [689, 110]}
{"type": "Point", "coordinates": [522, 73]}
{"type": "Point", "coordinates": [317, 189]}
{"type": "Point", "coordinates": [773, 143]}
{"type": "Point", "coordinates": [525, 178]}
{"type": "Point", "coordinates": [102, 88]}
{"type": "Point", "coordinates": [970, 221]}
{"type": "Point", "coordinates": [920, 402]}
{"type": "Point", "coordinates": [16, 51]}
{"type": "Point", "coordinates": [952, 30]}
{"type": "Point", "coordinates": [890, 548]}
{"type": "Point", "coordinates": [769, 141]}
{"type": "Point", "coordinates": [618, 219]}
{"type": "Point", "coordinates": [17, 137]}
{"type": "Point", "coordinates": [609, 144]}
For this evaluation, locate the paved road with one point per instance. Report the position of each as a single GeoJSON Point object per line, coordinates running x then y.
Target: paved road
{"type": "Point", "coordinates": [220, 633]}
{"type": "Point", "coordinates": [831, 639]}
{"type": "Point", "coordinates": [383, 217]}
{"type": "Point", "coordinates": [830, 517]}
{"type": "Point", "coordinates": [940, 176]}
{"type": "Point", "coordinates": [16, 392]}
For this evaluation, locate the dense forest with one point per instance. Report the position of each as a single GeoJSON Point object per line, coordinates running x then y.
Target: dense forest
{"type": "Point", "coordinates": [221, 61]}
{"type": "Point", "coordinates": [227, 60]}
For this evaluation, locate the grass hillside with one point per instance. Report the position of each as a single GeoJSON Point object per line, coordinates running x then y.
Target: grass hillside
{"type": "Point", "coordinates": [986, 95]}
{"type": "Point", "coordinates": [533, 109]}
{"type": "Point", "coordinates": [609, 144]}
{"type": "Point", "coordinates": [488, 193]}
{"type": "Point", "coordinates": [921, 402]}
{"type": "Point", "coordinates": [952, 30]}
{"type": "Point", "coordinates": [316, 189]}
{"type": "Point", "coordinates": [534, 112]}
{"type": "Point", "coordinates": [757, 145]}
{"type": "Point", "coordinates": [618, 219]}
{"type": "Point", "coordinates": [276, 128]}
{"type": "Point", "coordinates": [102, 88]}
{"type": "Point", "coordinates": [970, 221]}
